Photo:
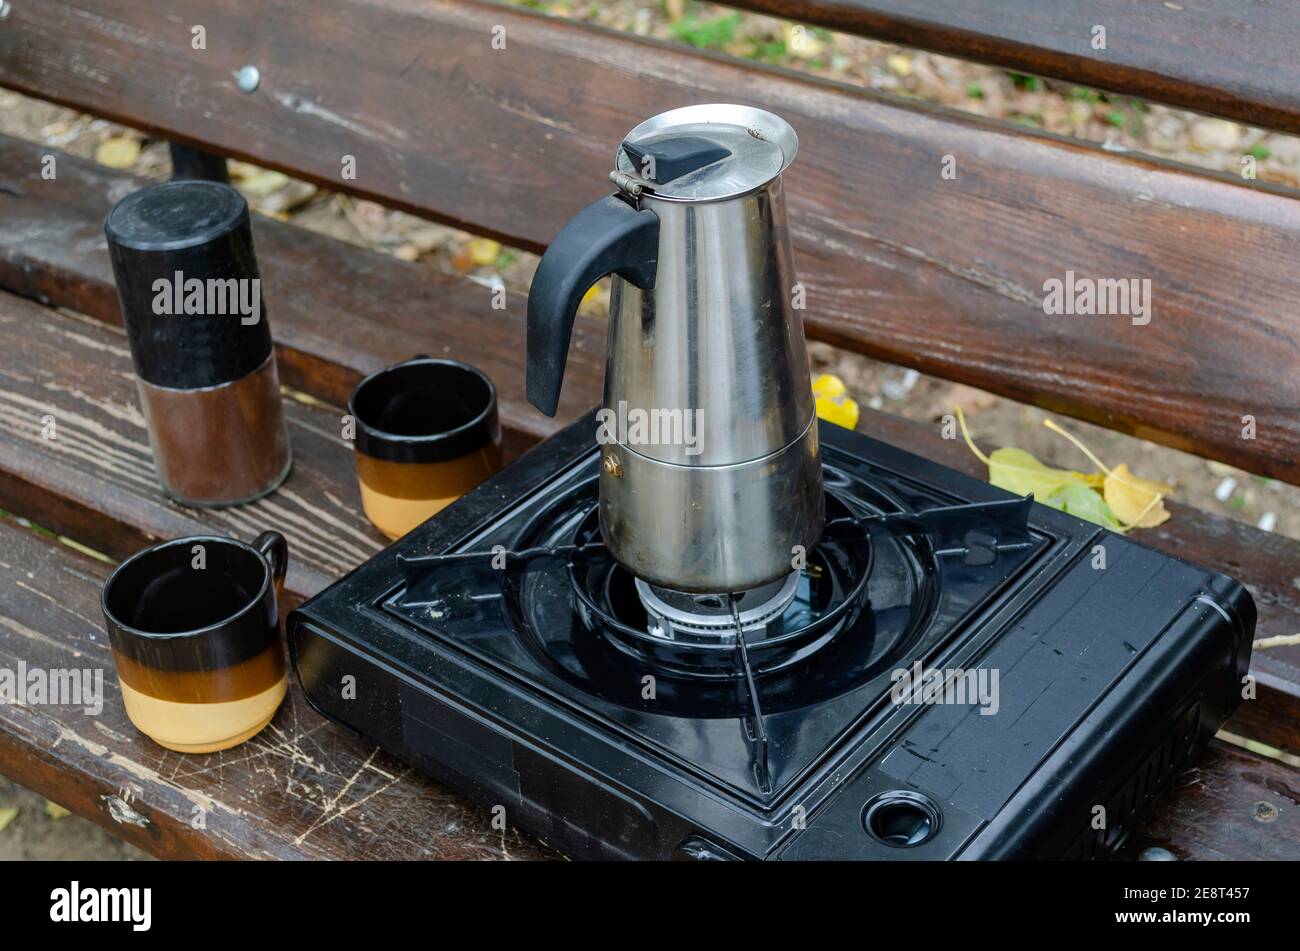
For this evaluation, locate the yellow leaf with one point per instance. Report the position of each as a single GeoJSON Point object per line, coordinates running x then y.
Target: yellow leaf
{"type": "Point", "coordinates": [6, 817]}
{"type": "Point", "coordinates": [1017, 471]}
{"type": "Point", "coordinates": [833, 401]}
{"type": "Point", "coordinates": [240, 170]}
{"type": "Point", "coordinates": [484, 251]}
{"type": "Point", "coordinates": [120, 151]}
{"type": "Point", "coordinates": [802, 42]}
{"type": "Point", "coordinates": [899, 64]}
{"type": "Point", "coordinates": [829, 385]}
{"type": "Point", "coordinates": [1134, 500]}
{"type": "Point", "coordinates": [55, 811]}
{"type": "Point", "coordinates": [263, 182]}
{"type": "Point", "coordinates": [842, 412]}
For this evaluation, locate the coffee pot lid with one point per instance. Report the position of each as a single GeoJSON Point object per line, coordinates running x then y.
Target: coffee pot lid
{"type": "Point", "coordinates": [706, 153]}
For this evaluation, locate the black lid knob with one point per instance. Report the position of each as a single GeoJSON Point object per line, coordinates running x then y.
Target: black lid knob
{"type": "Point", "coordinates": [188, 283]}
{"type": "Point", "coordinates": [668, 159]}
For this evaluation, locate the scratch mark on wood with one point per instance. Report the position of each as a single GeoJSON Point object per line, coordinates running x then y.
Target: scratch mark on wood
{"type": "Point", "coordinates": [332, 811]}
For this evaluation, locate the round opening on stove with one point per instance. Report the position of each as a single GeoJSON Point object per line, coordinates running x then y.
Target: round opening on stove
{"type": "Point", "coordinates": [901, 819]}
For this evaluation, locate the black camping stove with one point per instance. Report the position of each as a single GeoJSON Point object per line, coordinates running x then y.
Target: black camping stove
{"type": "Point", "coordinates": [952, 672]}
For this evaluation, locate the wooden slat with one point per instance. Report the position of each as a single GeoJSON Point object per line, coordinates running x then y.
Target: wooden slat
{"type": "Point", "coordinates": [1231, 805]}
{"type": "Point", "coordinates": [1233, 58]}
{"type": "Point", "coordinates": [306, 789]}
{"type": "Point", "coordinates": [303, 788]}
{"type": "Point", "coordinates": [900, 262]}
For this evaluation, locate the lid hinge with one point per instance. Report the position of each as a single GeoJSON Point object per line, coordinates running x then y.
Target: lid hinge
{"type": "Point", "coordinates": [631, 184]}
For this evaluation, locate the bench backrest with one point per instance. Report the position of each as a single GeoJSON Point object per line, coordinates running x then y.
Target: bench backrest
{"type": "Point", "coordinates": [944, 272]}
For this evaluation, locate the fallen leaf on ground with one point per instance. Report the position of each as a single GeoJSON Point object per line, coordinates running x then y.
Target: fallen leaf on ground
{"type": "Point", "coordinates": [802, 42]}
{"type": "Point", "coordinates": [833, 401]}
{"type": "Point", "coordinates": [7, 816]}
{"type": "Point", "coordinates": [263, 182]}
{"type": "Point", "coordinates": [462, 261]}
{"type": "Point", "coordinates": [55, 811]}
{"type": "Point", "coordinates": [484, 251]}
{"type": "Point", "coordinates": [1017, 471]}
{"type": "Point", "coordinates": [1114, 498]}
{"type": "Point", "coordinates": [1214, 135]}
{"type": "Point", "coordinates": [120, 151]}
{"type": "Point", "coordinates": [1082, 502]}
{"type": "Point", "coordinates": [1134, 500]}
{"type": "Point", "coordinates": [828, 384]}
{"type": "Point", "coordinates": [899, 64]}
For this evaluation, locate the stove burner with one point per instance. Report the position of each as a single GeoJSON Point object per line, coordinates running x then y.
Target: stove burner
{"type": "Point", "coordinates": [869, 592]}
{"type": "Point", "coordinates": [681, 616]}
{"type": "Point", "coordinates": [783, 623]}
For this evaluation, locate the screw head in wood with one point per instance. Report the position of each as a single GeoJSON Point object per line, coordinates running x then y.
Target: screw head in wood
{"type": "Point", "coordinates": [1265, 811]}
{"type": "Point", "coordinates": [1156, 854]}
{"type": "Point", "coordinates": [5, 9]}
{"type": "Point", "coordinates": [247, 78]}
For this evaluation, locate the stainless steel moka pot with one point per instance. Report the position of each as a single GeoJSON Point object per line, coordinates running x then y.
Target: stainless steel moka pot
{"type": "Point", "coordinates": [710, 478]}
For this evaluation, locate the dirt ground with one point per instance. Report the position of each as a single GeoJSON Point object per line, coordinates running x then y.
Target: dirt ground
{"type": "Point", "coordinates": [1120, 122]}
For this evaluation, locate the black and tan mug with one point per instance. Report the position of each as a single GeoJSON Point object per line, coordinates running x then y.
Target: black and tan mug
{"type": "Point", "coordinates": [427, 431]}
{"type": "Point", "coordinates": [196, 639]}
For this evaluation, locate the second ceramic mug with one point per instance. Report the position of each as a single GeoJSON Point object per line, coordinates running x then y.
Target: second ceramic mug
{"type": "Point", "coordinates": [427, 431]}
{"type": "Point", "coordinates": [196, 639]}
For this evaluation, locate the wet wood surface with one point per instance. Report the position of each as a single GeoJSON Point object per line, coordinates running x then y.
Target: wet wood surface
{"type": "Point", "coordinates": [946, 273]}
{"type": "Point", "coordinates": [305, 788]}
{"type": "Point", "coordinates": [1233, 58]}
{"type": "Point", "coordinates": [302, 788]}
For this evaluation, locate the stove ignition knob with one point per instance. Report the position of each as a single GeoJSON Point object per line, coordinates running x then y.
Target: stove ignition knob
{"type": "Point", "coordinates": [612, 466]}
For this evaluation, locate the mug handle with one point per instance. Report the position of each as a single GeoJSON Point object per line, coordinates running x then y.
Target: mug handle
{"type": "Point", "coordinates": [275, 549]}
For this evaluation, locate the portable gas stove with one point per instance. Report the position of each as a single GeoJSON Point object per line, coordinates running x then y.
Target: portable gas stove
{"type": "Point", "coordinates": [500, 649]}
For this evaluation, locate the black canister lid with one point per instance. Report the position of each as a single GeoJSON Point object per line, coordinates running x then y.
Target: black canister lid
{"type": "Point", "coordinates": [188, 284]}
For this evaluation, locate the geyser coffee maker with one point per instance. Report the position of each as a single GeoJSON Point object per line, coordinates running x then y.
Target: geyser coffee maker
{"type": "Point", "coordinates": [702, 321]}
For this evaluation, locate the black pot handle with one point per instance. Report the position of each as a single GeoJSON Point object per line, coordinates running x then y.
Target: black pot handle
{"type": "Point", "coordinates": [275, 549]}
{"type": "Point", "coordinates": [609, 236]}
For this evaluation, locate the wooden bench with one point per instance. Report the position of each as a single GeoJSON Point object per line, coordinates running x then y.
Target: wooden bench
{"type": "Point", "coordinates": [900, 263]}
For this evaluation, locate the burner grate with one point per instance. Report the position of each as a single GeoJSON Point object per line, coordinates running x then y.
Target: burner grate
{"type": "Point", "coordinates": [895, 569]}
{"type": "Point", "coordinates": [678, 615]}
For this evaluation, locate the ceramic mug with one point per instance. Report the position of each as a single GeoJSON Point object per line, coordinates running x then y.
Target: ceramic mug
{"type": "Point", "coordinates": [427, 431]}
{"type": "Point", "coordinates": [196, 639]}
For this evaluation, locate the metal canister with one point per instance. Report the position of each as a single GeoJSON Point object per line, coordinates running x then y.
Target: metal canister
{"type": "Point", "coordinates": [191, 299]}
